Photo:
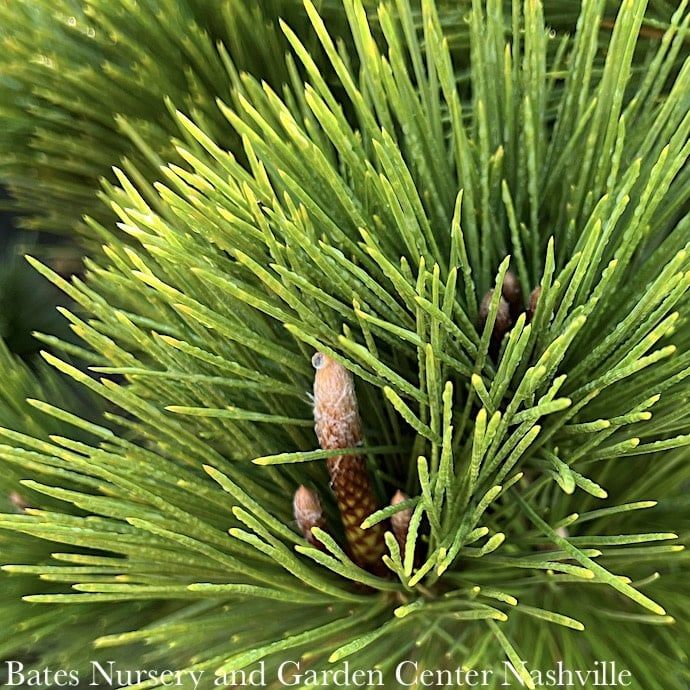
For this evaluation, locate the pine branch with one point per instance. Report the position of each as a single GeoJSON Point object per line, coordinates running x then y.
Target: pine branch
{"type": "Point", "coordinates": [378, 205]}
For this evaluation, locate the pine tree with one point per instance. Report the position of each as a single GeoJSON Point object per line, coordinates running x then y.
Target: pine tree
{"type": "Point", "coordinates": [480, 216]}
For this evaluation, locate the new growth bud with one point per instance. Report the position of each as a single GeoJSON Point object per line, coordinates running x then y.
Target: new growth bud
{"type": "Point", "coordinates": [308, 513]}
{"type": "Point", "coordinates": [338, 425]}
{"type": "Point", "coordinates": [400, 521]}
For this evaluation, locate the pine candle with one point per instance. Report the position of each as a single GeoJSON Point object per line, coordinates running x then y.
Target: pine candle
{"type": "Point", "coordinates": [338, 425]}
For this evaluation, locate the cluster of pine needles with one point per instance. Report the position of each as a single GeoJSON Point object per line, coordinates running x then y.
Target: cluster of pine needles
{"type": "Point", "coordinates": [251, 183]}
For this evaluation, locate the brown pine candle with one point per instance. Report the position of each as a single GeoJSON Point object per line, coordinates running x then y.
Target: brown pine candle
{"type": "Point", "coordinates": [338, 425]}
{"type": "Point", "coordinates": [308, 513]}
{"type": "Point", "coordinates": [400, 521]}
